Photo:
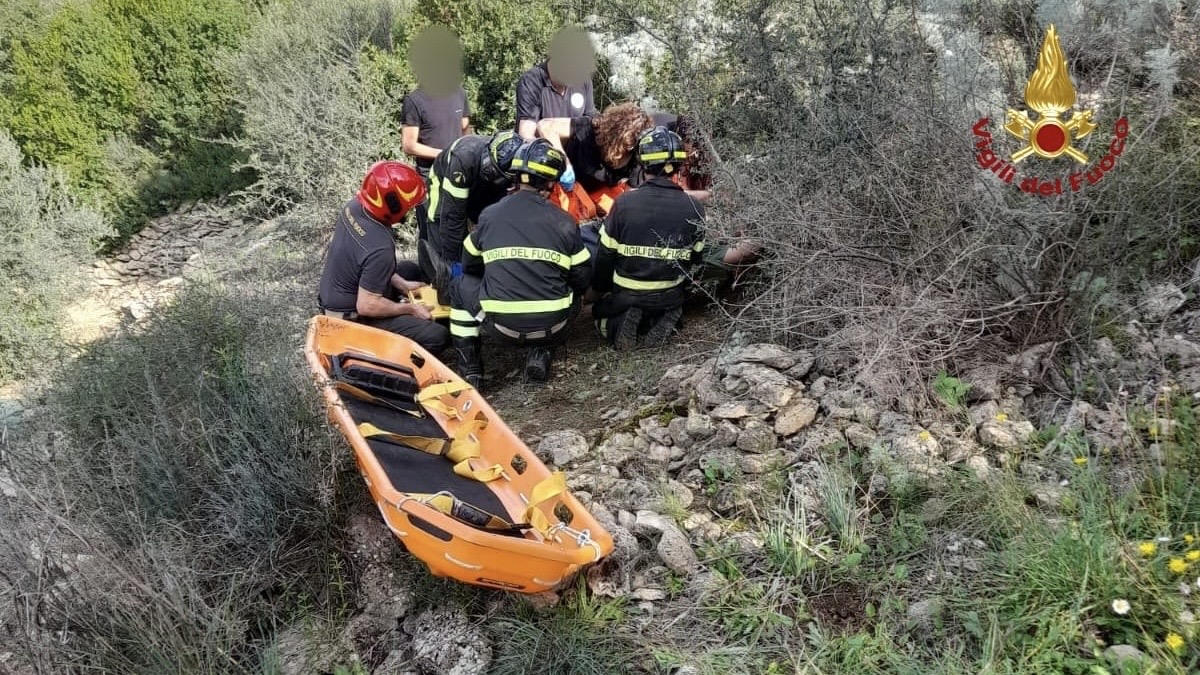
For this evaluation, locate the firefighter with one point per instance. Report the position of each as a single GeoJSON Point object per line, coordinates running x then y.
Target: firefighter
{"type": "Point", "coordinates": [525, 269]}
{"type": "Point", "coordinates": [361, 280]}
{"type": "Point", "coordinates": [470, 175]}
{"type": "Point", "coordinates": [650, 239]}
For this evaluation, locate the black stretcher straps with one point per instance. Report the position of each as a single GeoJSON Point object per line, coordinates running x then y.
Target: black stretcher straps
{"type": "Point", "coordinates": [368, 378]}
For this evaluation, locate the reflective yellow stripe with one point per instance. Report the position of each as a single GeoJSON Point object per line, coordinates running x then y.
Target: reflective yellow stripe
{"type": "Point", "coordinates": [435, 193]}
{"type": "Point", "coordinates": [581, 257]}
{"type": "Point", "coordinates": [638, 285]}
{"type": "Point", "coordinates": [699, 246]}
{"type": "Point", "coordinates": [544, 170]}
{"type": "Point", "coordinates": [461, 315]}
{"type": "Point", "coordinates": [459, 330]}
{"type": "Point", "coordinates": [469, 246]}
{"type": "Point", "coordinates": [606, 239]}
{"type": "Point", "coordinates": [526, 306]}
{"type": "Point", "coordinates": [678, 154]}
{"type": "Point", "coordinates": [654, 252]}
{"type": "Point", "coordinates": [527, 253]}
{"type": "Point", "coordinates": [456, 191]}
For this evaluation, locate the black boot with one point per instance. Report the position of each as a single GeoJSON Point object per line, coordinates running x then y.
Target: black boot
{"type": "Point", "coordinates": [470, 367]}
{"type": "Point", "coordinates": [626, 335]}
{"type": "Point", "coordinates": [537, 364]}
{"type": "Point", "coordinates": [660, 333]}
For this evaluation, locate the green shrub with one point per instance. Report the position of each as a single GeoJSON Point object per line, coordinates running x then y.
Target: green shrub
{"type": "Point", "coordinates": [45, 243]}
{"type": "Point", "coordinates": [313, 117]}
{"type": "Point", "coordinates": [194, 457]}
{"type": "Point", "coordinates": [91, 72]}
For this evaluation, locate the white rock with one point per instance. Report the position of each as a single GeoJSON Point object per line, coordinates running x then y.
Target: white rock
{"type": "Point", "coordinates": [1006, 434]}
{"type": "Point", "coordinates": [563, 447]}
{"type": "Point", "coordinates": [733, 410]}
{"type": "Point", "coordinates": [447, 641]}
{"type": "Point", "coordinates": [796, 416]}
{"type": "Point", "coordinates": [1160, 302]}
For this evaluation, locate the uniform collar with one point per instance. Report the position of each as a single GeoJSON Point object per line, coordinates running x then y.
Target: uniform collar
{"type": "Point", "coordinates": [663, 181]}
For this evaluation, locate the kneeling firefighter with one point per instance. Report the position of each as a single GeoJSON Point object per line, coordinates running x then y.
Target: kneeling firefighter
{"type": "Point", "coordinates": [524, 270]}
{"type": "Point", "coordinates": [652, 236]}
{"type": "Point", "coordinates": [467, 177]}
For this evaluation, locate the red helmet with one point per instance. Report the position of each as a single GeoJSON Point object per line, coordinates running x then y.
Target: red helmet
{"type": "Point", "coordinates": [390, 190]}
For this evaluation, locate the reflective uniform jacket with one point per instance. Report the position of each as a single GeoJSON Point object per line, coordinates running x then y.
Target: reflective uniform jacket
{"type": "Point", "coordinates": [458, 193]}
{"type": "Point", "coordinates": [532, 261]}
{"type": "Point", "coordinates": [650, 238]}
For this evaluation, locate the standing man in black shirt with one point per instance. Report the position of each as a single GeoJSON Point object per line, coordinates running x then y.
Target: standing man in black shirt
{"type": "Point", "coordinates": [435, 114]}
{"type": "Point", "coordinates": [361, 280]}
{"type": "Point", "coordinates": [560, 86]}
{"type": "Point", "coordinates": [525, 270]}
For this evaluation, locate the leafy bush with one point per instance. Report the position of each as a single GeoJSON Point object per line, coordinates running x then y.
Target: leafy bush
{"type": "Point", "coordinates": [46, 240]}
{"type": "Point", "coordinates": [92, 73]}
{"type": "Point", "coordinates": [315, 115]}
{"type": "Point", "coordinates": [192, 465]}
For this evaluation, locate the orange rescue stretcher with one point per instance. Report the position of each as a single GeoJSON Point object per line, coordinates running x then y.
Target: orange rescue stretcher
{"type": "Point", "coordinates": [451, 480]}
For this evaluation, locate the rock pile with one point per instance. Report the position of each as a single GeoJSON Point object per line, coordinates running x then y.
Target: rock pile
{"type": "Point", "coordinates": [387, 628]}
{"type": "Point", "coordinates": [167, 244]}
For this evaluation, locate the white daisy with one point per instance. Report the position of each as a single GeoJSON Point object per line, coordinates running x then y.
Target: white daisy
{"type": "Point", "coordinates": [1120, 606]}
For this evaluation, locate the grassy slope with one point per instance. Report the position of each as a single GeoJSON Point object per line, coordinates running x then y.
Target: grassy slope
{"type": "Point", "coordinates": [959, 577]}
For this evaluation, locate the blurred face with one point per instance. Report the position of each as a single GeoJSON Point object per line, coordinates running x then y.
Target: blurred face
{"type": "Point", "coordinates": [435, 56]}
{"type": "Point", "coordinates": [572, 57]}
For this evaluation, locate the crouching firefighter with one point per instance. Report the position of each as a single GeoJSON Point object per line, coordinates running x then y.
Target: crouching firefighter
{"type": "Point", "coordinates": [649, 240]}
{"type": "Point", "coordinates": [524, 270]}
{"type": "Point", "coordinates": [467, 177]}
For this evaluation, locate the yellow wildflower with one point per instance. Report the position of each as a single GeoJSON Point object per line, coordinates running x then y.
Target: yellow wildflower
{"type": "Point", "coordinates": [1174, 642]}
{"type": "Point", "coordinates": [1188, 539]}
{"type": "Point", "coordinates": [1192, 556]}
{"type": "Point", "coordinates": [1147, 548]}
{"type": "Point", "coordinates": [1001, 417]}
{"type": "Point", "coordinates": [924, 436]}
{"type": "Point", "coordinates": [1177, 565]}
{"type": "Point", "coordinates": [1080, 461]}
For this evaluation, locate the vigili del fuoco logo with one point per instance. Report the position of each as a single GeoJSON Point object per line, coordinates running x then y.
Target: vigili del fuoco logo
{"type": "Point", "coordinates": [1053, 134]}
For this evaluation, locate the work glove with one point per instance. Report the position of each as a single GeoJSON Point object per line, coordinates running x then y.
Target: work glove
{"type": "Point", "coordinates": [567, 179]}
{"type": "Point", "coordinates": [456, 270]}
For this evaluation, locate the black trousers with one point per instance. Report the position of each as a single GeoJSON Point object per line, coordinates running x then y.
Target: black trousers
{"type": "Point", "coordinates": [465, 308]}
{"type": "Point", "coordinates": [609, 311]}
{"type": "Point", "coordinates": [431, 335]}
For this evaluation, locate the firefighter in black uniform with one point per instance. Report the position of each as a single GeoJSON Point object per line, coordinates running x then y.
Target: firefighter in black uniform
{"type": "Point", "coordinates": [650, 239]}
{"type": "Point", "coordinates": [466, 177]}
{"type": "Point", "coordinates": [525, 270]}
{"type": "Point", "coordinates": [362, 280]}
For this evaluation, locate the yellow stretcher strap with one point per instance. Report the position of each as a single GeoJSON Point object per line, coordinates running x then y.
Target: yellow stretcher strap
{"type": "Point", "coordinates": [461, 449]}
{"type": "Point", "coordinates": [429, 396]}
{"type": "Point", "coordinates": [363, 395]}
{"type": "Point", "coordinates": [433, 446]}
{"type": "Point", "coordinates": [543, 492]}
{"type": "Point", "coordinates": [467, 513]}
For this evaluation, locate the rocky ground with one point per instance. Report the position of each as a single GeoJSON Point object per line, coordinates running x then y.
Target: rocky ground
{"type": "Point", "coordinates": [682, 453]}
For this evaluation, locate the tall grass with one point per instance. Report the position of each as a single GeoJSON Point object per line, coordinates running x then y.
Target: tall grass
{"type": "Point", "coordinates": [180, 511]}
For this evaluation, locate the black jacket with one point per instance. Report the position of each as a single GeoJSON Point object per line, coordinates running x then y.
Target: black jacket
{"type": "Point", "coordinates": [532, 261]}
{"type": "Point", "coordinates": [650, 237]}
{"type": "Point", "coordinates": [459, 191]}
